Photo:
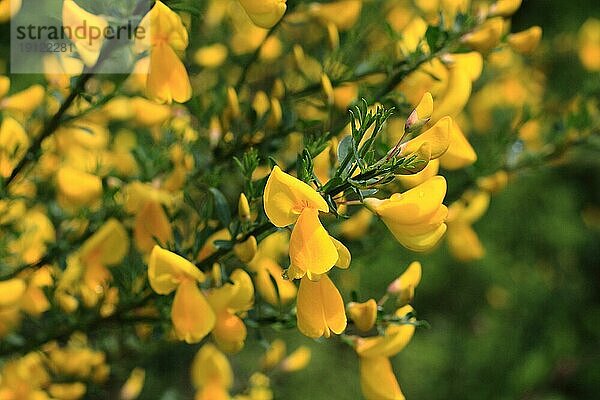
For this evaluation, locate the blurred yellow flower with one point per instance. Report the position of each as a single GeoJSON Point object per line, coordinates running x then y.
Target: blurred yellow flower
{"type": "Point", "coordinates": [167, 77]}
{"type": "Point", "coordinates": [191, 314]}
{"type": "Point", "coordinates": [363, 315]}
{"type": "Point", "coordinates": [264, 13]}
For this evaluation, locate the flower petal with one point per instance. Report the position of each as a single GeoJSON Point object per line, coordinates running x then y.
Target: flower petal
{"type": "Point", "coordinates": [192, 316]}
{"type": "Point", "coordinates": [166, 270]}
{"type": "Point", "coordinates": [311, 247]}
{"type": "Point", "coordinates": [377, 379]}
{"type": "Point", "coordinates": [320, 308]}
{"type": "Point", "coordinates": [285, 197]}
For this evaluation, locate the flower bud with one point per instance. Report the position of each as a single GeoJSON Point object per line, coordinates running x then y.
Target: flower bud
{"type": "Point", "coordinates": [526, 41]}
{"type": "Point", "coordinates": [233, 104]}
{"type": "Point", "coordinates": [505, 8]}
{"type": "Point", "coordinates": [404, 286]}
{"type": "Point", "coordinates": [296, 361]}
{"type": "Point", "coordinates": [134, 384]}
{"type": "Point", "coordinates": [246, 250]}
{"type": "Point", "coordinates": [229, 332]}
{"type": "Point", "coordinates": [327, 89]}
{"type": "Point", "coordinates": [486, 37]}
{"type": "Point", "coordinates": [273, 355]}
{"type": "Point", "coordinates": [363, 315]}
{"type": "Point", "coordinates": [421, 114]}
{"type": "Point", "coordinates": [244, 208]}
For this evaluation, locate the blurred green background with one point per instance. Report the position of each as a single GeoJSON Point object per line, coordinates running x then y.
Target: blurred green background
{"type": "Point", "coordinates": [523, 322]}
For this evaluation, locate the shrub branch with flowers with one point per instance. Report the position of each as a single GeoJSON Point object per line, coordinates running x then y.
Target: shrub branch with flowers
{"type": "Point", "coordinates": [218, 194]}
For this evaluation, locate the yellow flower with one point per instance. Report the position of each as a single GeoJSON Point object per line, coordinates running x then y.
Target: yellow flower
{"type": "Point", "coordinates": [463, 241]}
{"type": "Point", "coordinates": [229, 331]}
{"type": "Point", "coordinates": [343, 14]}
{"type": "Point", "coordinates": [311, 249]}
{"type": "Point", "coordinates": [106, 247]}
{"type": "Point", "coordinates": [486, 36]}
{"type": "Point", "coordinates": [211, 56]}
{"type": "Point", "coordinates": [151, 222]}
{"type": "Point", "coordinates": [210, 366]}
{"type": "Point", "coordinates": [285, 197]}
{"type": "Point", "coordinates": [437, 137]}
{"type": "Point", "coordinates": [34, 301]}
{"type": "Point", "coordinates": [192, 316]}
{"type": "Point", "coordinates": [77, 188]}
{"type": "Point", "coordinates": [88, 47]}
{"type": "Point", "coordinates": [167, 78]}
{"type": "Point", "coordinates": [67, 391]}
{"type": "Point", "coordinates": [8, 8]}
{"type": "Point", "coordinates": [589, 44]}
{"type": "Point", "coordinates": [297, 360]}
{"type": "Point", "coordinates": [273, 355]}
{"type": "Point", "coordinates": [269, 281]}
{"type": "Point", "coordinates": [377, 379]}
{"type": "Point", "coordinates": [456, 94]}
{"type": "Point", "coordinates": [26, 101]}
{"type": "Point", "coordinates": [320, 308]}
{"type": "Point", "coordinates": [421, 114]}
{"type": "Point", "coordinates": [35, 233]}
{"type": "Point", "coordinates": [288, 200]}
{"type": "Point", "coordinates": [11, 292]}
{"type": "Point", "coordinates": [244, 208]}
{"type": "Point", "coordinates": [526, 41]}
{"type": "Point", "coordinates": [505, 8]}
{"type": "Point", "coordinates": [134, 384]}
{"type": "Point", "coordinates": [460, 154]}
{"type": "Point", "coordinates": [14, 143]}
{"type": "Point", "coordinates": [364, 314]}
{"type": "Point", "coordinates": [415, 217]}
{"type": "Point", "coordinates": [395, 339]}
{"type": "Point", "coordinates": [404, 286]}
{"type": "Point", "coordinates": [264, 13]}
{"type": "Point", "coordinates": [246, 250]}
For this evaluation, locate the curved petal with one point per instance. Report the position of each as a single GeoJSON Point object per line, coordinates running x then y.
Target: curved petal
{"type": "Point", "coordinates": [413, 206]}
{"type": "Point", "coordinates": [168, 79]}
{"type": "Point", "coordinates": [285, 197]}
{"type": "Point", "coordinates": [320, 308]}
{"type": "Point", "coordinates": [422, 242]}
{"type": "Point", "coordinates": [192, 316]}
{"type": "Point", "coordinates": [311, 247]}
{"type": "Point", "coordinates": [377, 379]}
{"type": "Point", "coordinates": [438, 137]}
{"type": "Point", "coordinates": [166, 270]}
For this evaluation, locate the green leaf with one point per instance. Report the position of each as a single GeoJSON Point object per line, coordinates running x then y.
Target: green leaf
{"type": "Point", "coordinates": [222, 210]}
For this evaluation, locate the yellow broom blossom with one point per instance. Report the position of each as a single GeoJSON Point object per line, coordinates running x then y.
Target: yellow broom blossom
{"type": "Point", "coordinates": [415, 217]}
{"type": "Point", "coordinates": [525, 41]}
{"type": "Point", "coordinates": [404, 286]}
{"type": "Point", "coordinates": [320, 308]}
{"type": "Point", "coordinates": [13, 145]}
{"type": "Point", "coordinates": [286, 197]}
{"type": "Point", "coordinates": [264, 13]}
{"type": "Point", "coordinates": [229, 331]}
{"type": "Point", "coordinates": [88, 47]}
{"type": "Point", "coordinates": [167, 78]}
{"type": "Point", "coordinates": [377, 379]}
{"type": "Point", "coordinates": [191, 314]}
{"type": "Point", "coordinates": [363, 314]}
